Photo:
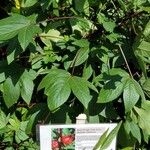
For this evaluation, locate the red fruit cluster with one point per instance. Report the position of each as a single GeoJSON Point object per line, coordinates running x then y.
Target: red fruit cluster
{"type": "Point", "coordinates": [67, 139]}
{"type": "Point", "coordinates": [55, 144]}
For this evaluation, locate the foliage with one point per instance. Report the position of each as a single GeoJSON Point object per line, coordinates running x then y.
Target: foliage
{"type": "Point", "coordinates": [60, 58]}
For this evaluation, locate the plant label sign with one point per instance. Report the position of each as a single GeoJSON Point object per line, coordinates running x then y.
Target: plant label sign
{"type": "Point", "coordinates": [74, 137]}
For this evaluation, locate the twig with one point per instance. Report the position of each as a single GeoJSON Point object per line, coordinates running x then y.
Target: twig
{"type": "Point", "coordinates": [46, 118]}
{"type": "Point", "coordinates": [59, 18]}
{"type": "Point", "coordinates": [126, 61]}
{"type": "Point", "coordinates": [74, 62]}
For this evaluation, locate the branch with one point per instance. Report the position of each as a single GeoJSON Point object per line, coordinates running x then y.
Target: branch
{"type": "Point", "coordinates": [126, 61]}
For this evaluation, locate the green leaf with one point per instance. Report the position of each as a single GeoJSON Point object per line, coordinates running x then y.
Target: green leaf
{"type": "Point", "coordinates": [82, 6]}
{"type": "Point", "coordinates": [87, 72]}
{"type": "Point", "coordinates": [130, 95]}
{"type": "Point", "coordinates": [101, 140]}
{"type": "Point", "coordinates": [27, 34]}
{"type": "Point", "coordinates": [109, 26]}
{"type": "Point", "coordinates": [28, 3]}
{"type": "Point", "coordinates": [58, 93]}
{"type": "Point", "coordinates": [81, 43]}
{"type": "Point", "coordinates": [135, 130]}
{"type": "Point", "coordinates": [146, 87]}
{"type": "Point", "coordinates": [115, 81]}
{"type": "Point", "coordinates": [111, 136]}
{"type": "Point", "coordinates": [11, 92]}
{"type": "Point", "coordinates": [27, 87]}
{"type": "Point", "coordinates": [144, 46]}
{"type": "Point", "coordinates": [18, 24]}
{"type": "Point", "coordinates": [144, 119]}
{"type": "Point", "coordinates": [147, 30]}
{"type": "Point", "coordinates": [14, 123]}
{"type": "Point", "coordinates": [146, 104]}
{"type": "Point", "coordinates": [79, 87]}
{"type": "Point", "coordinates": [81, 56]}
{"type": "Point", "coordinates": [3, 119]}
{"type": "Point", "coordinates": [13, 50]}
{"type": "Point", "coordinates": [51, 77]}
{"type": "Point", "coordinates": [110, 91]}
{"type": "Point", "coordinates": [139, 89]}
{"type": "Point", "coordinates": [127, 127]}
{"type": "Point", "coordinates": [9, 27]}
{"type": "Point", "coordinates": [53, 35]}
{"type": "Point", "coordinates": [57, 88]}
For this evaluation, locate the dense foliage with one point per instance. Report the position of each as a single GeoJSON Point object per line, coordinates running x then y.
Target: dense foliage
{"type": "Point", "coordinates": [60, 58]}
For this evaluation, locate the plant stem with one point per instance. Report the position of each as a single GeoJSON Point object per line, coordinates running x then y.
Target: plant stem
{"type": "Point", "coordinates": [59, 18]}
{"type": "Point", "coordinates": [126, 61]}
{"type": "Point", "coordinates": [74, 62]}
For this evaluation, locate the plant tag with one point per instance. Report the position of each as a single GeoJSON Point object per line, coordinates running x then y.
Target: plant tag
{"type": "Point", "coordinates": [74, 136]}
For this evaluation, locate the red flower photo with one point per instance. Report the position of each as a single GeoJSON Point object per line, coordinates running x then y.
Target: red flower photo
{"type": "Point", "coordinates": [63, 139]}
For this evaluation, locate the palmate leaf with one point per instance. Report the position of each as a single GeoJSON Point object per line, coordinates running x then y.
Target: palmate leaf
{"type": "Point", "coordinates": [18, 24]}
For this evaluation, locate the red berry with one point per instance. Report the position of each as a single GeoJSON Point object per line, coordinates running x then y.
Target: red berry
{"type": "Point", "coordinates": [55, 144]}
{"type": "Point", "coordinates": [67, 139]}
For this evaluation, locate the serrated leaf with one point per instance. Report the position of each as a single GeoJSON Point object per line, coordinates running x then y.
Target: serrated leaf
{"type": "Point", "coordinates": [130, 95]}
{"type": "Point", "coordinates": [80, 89]}
{"type": "Point", "coordinates": [11, 92]}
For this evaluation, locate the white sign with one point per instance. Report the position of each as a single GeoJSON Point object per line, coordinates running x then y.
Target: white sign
{"type": "Point", "coordinates": [73, 137]}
